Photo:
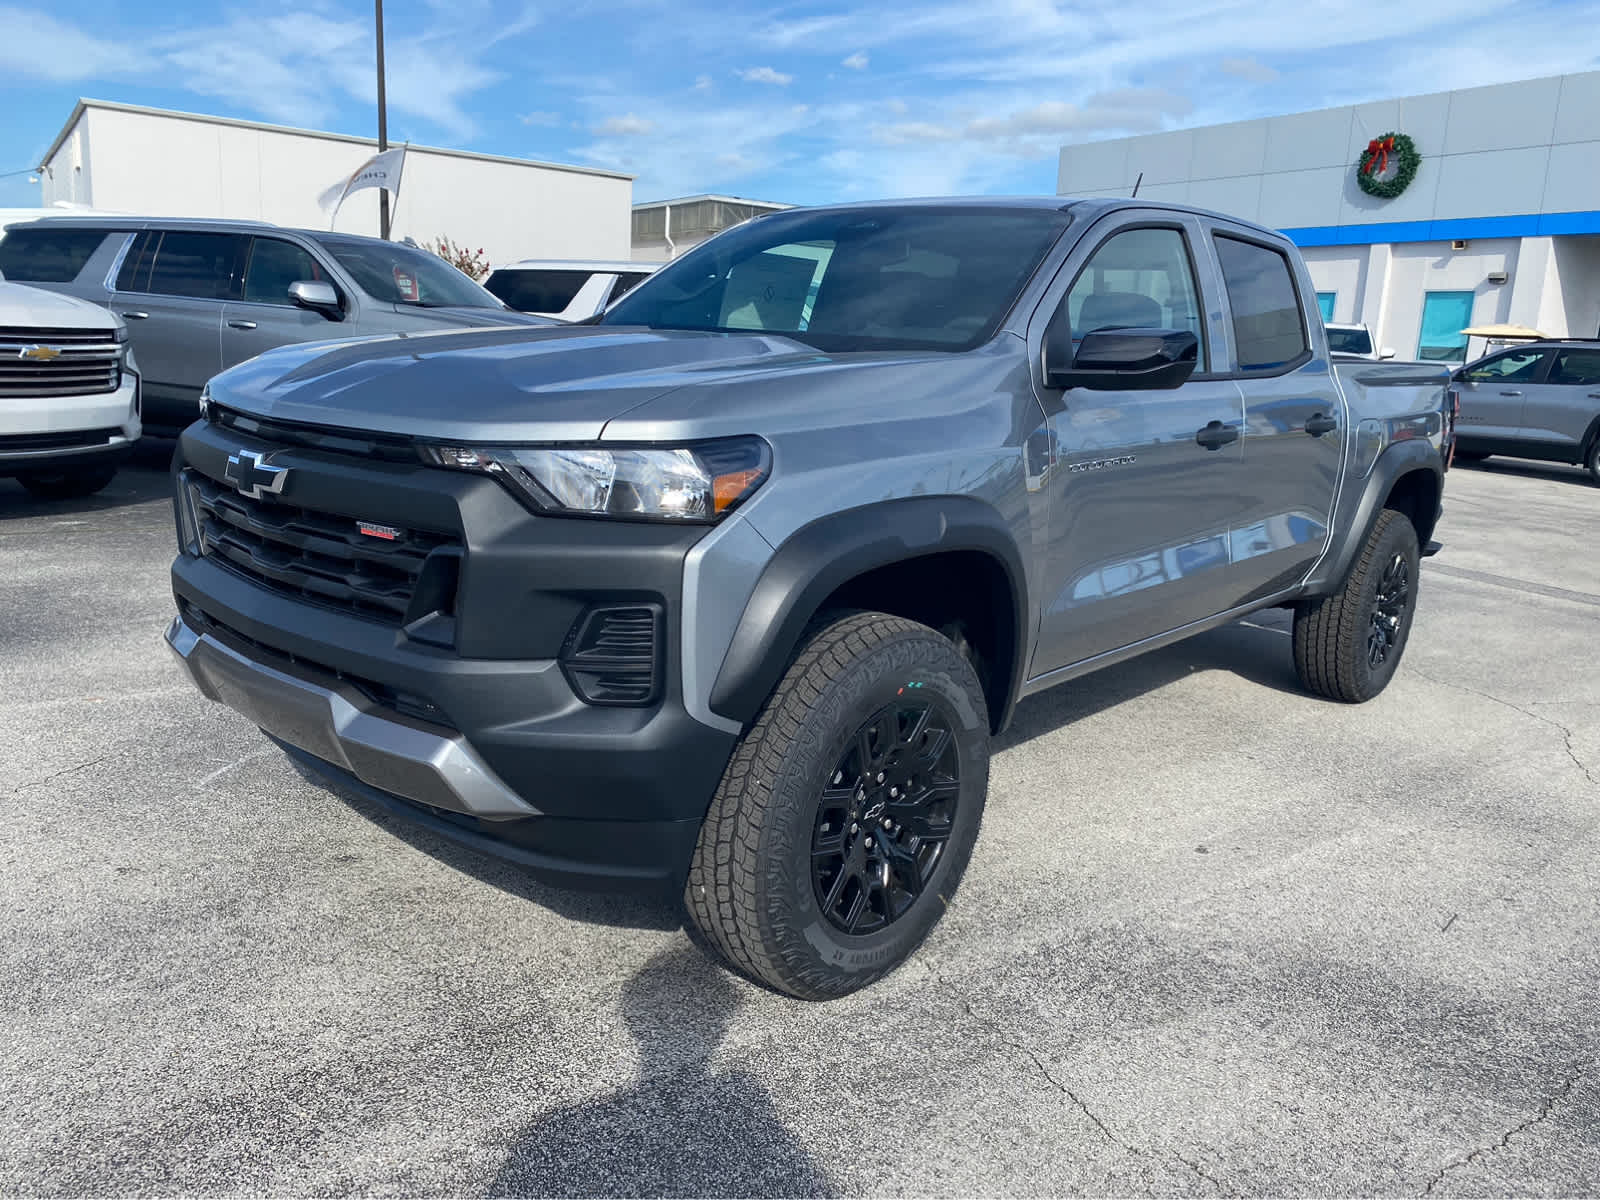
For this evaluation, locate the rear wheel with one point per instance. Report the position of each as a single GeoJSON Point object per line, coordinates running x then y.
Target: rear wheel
{"type": "Point", "coordinates": [1347, 645]}
{"type": "Point", "coordinates": [68, 485]}
{"type": "Point", "coordinates": [1591, 461]}
{"type": "Point", "coordinates": [849, 811]}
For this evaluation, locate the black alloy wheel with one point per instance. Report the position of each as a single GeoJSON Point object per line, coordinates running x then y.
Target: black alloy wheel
{"type": "Point", "coordinates": [886, 815]}
{"type": "Point", "coordinates": [1388, 609]}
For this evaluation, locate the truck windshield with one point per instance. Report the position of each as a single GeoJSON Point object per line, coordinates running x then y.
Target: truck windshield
{"type": "Point", "coordinates": [400, 275]}
{"type": "Point", "coordinates": [1349, 341]}
{"type": "Point", "coordinates": [917, 277]}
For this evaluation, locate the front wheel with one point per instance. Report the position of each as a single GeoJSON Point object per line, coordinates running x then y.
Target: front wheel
{"type": "Point", "coordinates": [1591, 462]}
{"type": "Point", "coordinates": [848, 812]}
{"type": "Point", "coordinates": [1347, 645]}
{"type": "Point", "coordinates": [68, 485]}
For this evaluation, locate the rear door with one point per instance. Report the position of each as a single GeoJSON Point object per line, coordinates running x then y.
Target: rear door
{"type": "Point", "coordinates": [171, 291]}
{"type": "Point", "coordinates": [1562, 410]}
{"type": "Point", "coordinates": [264, 316]}
{"type": "Point", "coordinates": [1140, 485]}
{"type": "Point", "coordinates": [1494, 395]}
{"type": "Point", "coordinates": [1294, 418]}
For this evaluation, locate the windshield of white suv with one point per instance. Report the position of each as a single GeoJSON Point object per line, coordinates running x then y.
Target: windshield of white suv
{"type": "Point", "coordinates": [918, 277]}
{"type": "Point", "coordinates": [400, 275]}
{"type": "Point", "coordinates": [1349, 341]}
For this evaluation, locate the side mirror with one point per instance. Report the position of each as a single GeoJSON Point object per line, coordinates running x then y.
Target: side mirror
{"type": "Point", "coordinates": [1110, 360]}
{"type": "Point", "coordinates": [1386, 352]}
{"type": "Point", "coordinates": [318, 297]}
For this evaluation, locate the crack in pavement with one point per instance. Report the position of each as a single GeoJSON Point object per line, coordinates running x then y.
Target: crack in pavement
{"type": "Point", "coordinates": [1577, 1071]}
{"type": "Point", "coordinates": [1203, 1173]}
{"type": "Point", "coordinates": [33, 783]}
{"type": "Point", "coordinates": [1566, 733]}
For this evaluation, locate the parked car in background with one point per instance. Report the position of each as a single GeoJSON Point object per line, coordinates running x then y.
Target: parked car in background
{"type": "Point", "coordinates": [1539, 401]}
{"type": "Point", "coordinates": [201, 296]}
{"type": "Point", "coordinates": [1354, 341]}
{"type": "Point", "coordinates": [740, 601]}
{"type": "Point", "coordinates": [568, 291]}
{"type": "Point", "coordinates": [69, 392]}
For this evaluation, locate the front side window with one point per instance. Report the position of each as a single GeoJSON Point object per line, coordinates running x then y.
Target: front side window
{"type": "Point", "coordinates": [1138, 279]}
{"type": "Point", "coordinates": [1444, 316]}
{"type": "Point", "coordinates": [274, 265]}
{"type": "Point", "coordinates": [1514, 366]}
{"type": "Point", "coordinates": [394, 274]}
{"type": "Point", "coordinates": [912, 277]}
{"type": "Point", "coordinates": [198, 265]}
{"type": "Point", "coordinates": [48, 255]}
{"type": "Point", "coordinates": [529, 289]}
{"type": "Point", "coordinates": [1269, 333]}
{"type": "Point", "coordinates": [1576, 367]}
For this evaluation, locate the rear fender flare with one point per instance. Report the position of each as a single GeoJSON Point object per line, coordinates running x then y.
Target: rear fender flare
{"type": "Point", "coordinates": [1397, 460]}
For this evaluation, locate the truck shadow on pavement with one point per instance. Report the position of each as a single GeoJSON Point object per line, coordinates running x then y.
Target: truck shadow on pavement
{"type": "Point", "coordinates": [682, 1127]}
{"type": "Point", "coordinates": [142, 479]}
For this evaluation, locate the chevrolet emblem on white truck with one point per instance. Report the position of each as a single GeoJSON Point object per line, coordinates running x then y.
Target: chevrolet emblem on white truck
{"type": "Point", "coordinates": [253, 475]}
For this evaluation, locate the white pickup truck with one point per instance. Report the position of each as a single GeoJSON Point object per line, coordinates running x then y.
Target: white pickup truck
{"type": "Point", "coordinates": [69, 392]}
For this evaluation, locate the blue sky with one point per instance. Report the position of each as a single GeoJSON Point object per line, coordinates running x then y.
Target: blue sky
{"type": "Point", "coordinates": [801, 102]}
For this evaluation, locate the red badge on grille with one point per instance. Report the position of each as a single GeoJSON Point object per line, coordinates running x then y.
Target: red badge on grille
{"type": "Point", "coordinates": [387, 532]}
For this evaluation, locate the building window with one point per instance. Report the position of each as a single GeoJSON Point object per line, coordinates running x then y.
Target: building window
{"type": "Point", "coordinates": [1325, 303]}
{"type": "Point", "coordinates": [1444, 316]}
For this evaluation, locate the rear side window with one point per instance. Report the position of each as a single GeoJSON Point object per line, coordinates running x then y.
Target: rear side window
{"type": "Point", "coordinates": [1268, 330]}
{"type": "Point", "coordinates": [1577, 367]}
{"type": "Point", "coordinates": [48, 255]}
{"type": "Point", "coordinates": [537, 291]}
{"type": "Point", "coordinates": [201, 265]}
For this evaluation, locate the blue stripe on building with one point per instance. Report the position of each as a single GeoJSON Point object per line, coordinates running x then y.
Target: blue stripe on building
{"type": "Point", "coordinates": [1528, 225]}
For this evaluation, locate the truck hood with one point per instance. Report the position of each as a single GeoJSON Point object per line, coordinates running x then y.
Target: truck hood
{"type": "Point", "coordinates": [561, 383]}
{"type": "Point", "coordinates": [30, 307]}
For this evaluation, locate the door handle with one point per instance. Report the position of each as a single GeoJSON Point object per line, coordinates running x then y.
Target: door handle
{"type": "Point", "coordinates": [1511, 393]}
{"type": "Point", "coordinates": [241, 324]}
{"type": "Point", "coordinates": [134, 316]}
{"type": "Point", "coordinates": [1216, 435]}
{"type": "Point", "coordinates": [1321, 424]}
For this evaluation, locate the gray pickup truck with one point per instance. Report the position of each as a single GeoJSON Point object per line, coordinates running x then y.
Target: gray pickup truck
{"type": "Point", "coordinates": [729, 588]}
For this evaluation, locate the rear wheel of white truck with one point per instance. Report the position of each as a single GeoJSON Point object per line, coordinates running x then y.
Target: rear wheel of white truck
{"type": "Point", "coordinates": [68, 485]}
{"type": "Point", "coordinates": [848, 812]}
{"type": "Point", "coordinates": [1347, 645]}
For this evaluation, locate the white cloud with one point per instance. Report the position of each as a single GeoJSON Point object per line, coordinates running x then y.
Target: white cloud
{"type": "Point", "coordinates": [703, 83]}
{"type": "Point", "coordinates": [628, 125]}
{"type": "Point", "coordinates": [856, 62]}
{"type": "Point", "coordinates": [540, 118]}
{"type": "Point", "coordinates": [1124, 109]}
{"type": "Point", "coordinates": [1248, 69]}
{"type": "Point", "coordinates": [765, 75]}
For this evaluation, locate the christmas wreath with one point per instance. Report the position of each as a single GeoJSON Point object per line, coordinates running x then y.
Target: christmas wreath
{"type": "Point", "coordinates": [1388, 165]}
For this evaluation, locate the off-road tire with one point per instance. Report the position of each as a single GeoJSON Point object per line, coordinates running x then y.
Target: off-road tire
{"type": "Point", "coordinates": [1591, 461]}
{"type": "Point", "coordinates": [750, 891]}
{"type": "Point", "coordinates": [67, 485]}
{"type": "Point", "coordinates": [1331, 633]}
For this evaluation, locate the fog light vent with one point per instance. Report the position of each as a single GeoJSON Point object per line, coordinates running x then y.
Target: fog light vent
{"type": "Point", "coordinates": [613, 655]}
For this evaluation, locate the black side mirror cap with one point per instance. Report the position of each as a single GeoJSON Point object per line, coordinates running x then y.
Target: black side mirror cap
{"type": "Point", "coordinates": [1113, 360]}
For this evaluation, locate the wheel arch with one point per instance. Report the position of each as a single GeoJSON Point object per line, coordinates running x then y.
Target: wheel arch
{"type": "Point", "coordinates": [926, 558]}
{"type": "Point", "coordinates": [1408, 476]}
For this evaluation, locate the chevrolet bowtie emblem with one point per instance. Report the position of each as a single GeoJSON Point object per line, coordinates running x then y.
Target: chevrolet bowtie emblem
{"type": "Point", "coordinates": [38, 353]}
{"type": "Point", "coordinates": [253, 475]}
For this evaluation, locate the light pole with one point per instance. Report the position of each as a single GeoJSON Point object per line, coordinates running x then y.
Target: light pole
{"type": "Point", "coordinates": [383, 129]}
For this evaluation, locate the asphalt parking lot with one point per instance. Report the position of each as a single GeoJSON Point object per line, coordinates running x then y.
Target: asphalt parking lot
{"type": "Point", "coordinates": [1218, 937]}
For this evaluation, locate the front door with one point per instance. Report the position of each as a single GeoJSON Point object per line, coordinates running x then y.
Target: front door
{"type": "Point", "coordinates": [170, 291]}
{"type": "Point", "coordinates": [1494, 393]}
{"type": "Point", "coordinates": [1295, 423]}
{"type": "Point", "coordinates": [264, 316]}
{"type": "Point", "coordinates": [1140, 485]}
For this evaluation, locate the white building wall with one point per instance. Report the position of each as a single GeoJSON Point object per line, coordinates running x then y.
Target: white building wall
{"type": "Point", "coordinates": [157, 165]}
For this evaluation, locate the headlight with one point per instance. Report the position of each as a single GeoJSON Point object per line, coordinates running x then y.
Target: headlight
{"type": "Point", "coordinates": [119, 334]}
{"type": "Point", "coordinates": [688, 483]}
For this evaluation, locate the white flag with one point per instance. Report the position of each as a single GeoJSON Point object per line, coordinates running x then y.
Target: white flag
{"type": "Point", "coordinates": [379, 171]}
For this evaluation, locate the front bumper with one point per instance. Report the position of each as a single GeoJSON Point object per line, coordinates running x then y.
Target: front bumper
{"type": "Point", "coordinates": [54, 433]}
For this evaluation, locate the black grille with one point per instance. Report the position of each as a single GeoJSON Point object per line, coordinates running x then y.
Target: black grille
{"type": "Point", "coordinates": [324, 558]}
{"type": "Point", "coordinates": [612, 655]}
{"type": "Point", "coordinates": [74, 440]}
{"type": "Point", "coordinates": [315, 437]}
{"type": "Point", "coordinates": [86, 362]}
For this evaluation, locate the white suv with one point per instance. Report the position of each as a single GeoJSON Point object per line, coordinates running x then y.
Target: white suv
{"type": "Point", "coordinates": [69, 392]}
{"type": "Point", "coordinates": [568, 291]}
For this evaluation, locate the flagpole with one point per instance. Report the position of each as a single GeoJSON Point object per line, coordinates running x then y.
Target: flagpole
{"type": "Point", "coordinates": [383, 129]}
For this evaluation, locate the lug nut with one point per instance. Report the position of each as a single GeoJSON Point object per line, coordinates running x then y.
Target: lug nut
{"type": "Point", "coordinates": [854, 828]}
{"type": "Point", "coordinates": [880, 776]}
{"type": "Point", "coordinates": [894, 793]}
{"type": "Point", "coordinates": [869, 843]}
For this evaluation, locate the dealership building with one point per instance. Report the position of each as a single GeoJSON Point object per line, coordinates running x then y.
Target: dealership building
{"type": "Point", "coordinates": [1498, 223]}
{"type": "Point", "coordinates": [151, 162]}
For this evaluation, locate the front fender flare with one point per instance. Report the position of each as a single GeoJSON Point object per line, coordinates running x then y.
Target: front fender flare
{"type": "Point", "coordinates": [821, 557]}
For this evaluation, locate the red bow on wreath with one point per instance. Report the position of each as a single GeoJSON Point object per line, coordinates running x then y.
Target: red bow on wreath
{"type": "Point", "coordinates": [1379, 149]}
